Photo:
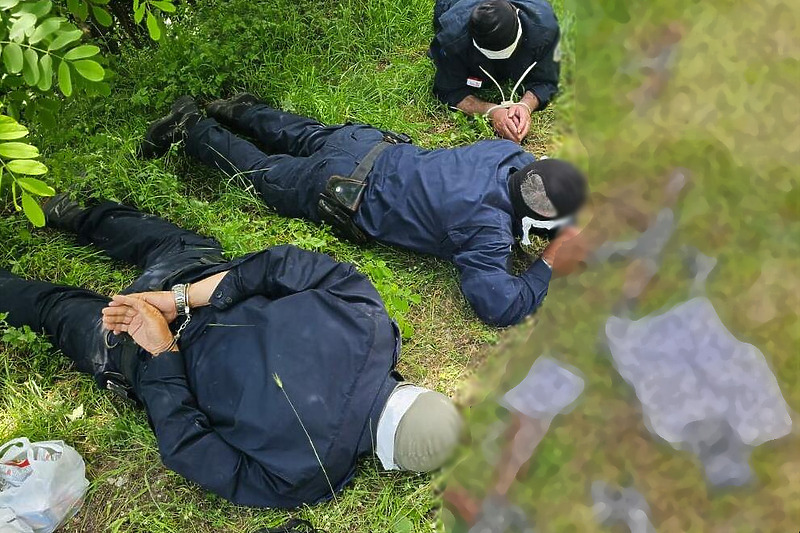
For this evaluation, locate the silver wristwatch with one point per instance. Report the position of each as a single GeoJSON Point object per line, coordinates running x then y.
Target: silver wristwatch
{"type": "Point", "coordinates": [181, 295]}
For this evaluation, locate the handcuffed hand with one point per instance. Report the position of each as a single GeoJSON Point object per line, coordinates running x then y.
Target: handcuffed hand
{"type": "Point", "coordinates": [144, 322]}
{"type": "Point", "coordinates": [503, 124]}
{"type": "Point", "coordinates": [521, 117]}
{"type": "Point", "coordinates": [164, 301]}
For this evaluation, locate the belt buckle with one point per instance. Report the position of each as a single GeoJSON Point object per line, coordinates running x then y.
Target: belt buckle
{"type": "Point", "coordinates": [116, 383]}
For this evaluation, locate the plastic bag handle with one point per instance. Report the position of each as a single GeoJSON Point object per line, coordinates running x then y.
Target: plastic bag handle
{"type": "Point", "coordinates": [22, 441]}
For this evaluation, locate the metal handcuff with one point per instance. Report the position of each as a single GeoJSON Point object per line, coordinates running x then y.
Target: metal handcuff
{"type": "Point", "coordinates": [181, 294]}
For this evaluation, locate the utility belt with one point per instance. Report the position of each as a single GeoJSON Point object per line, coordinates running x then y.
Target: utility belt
{"type": "Point", "coordinates": [343, 194]}
{"type": "Point", "coordinates": [127, 357]}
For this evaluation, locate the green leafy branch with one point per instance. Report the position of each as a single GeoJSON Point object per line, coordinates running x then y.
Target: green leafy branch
{"type": "Point", "coordinates": [17, 163]}
{"type": "Point", "coordinates": [80, 10]}
{"type": "Point", "coordinates": [36, 44]}
{"type": "Point", "coordinates": [150, 11]}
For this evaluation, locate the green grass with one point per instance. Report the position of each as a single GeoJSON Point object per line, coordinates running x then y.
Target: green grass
{"type": "Point", "coordinates": [365, 61]}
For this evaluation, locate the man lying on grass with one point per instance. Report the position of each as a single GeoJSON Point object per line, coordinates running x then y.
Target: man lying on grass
{"type": "Point", "coordinates": [483, 43]}
{"type": "Point", "coordinates": [264, 378]}
{"type": "Point", "coordinates": [466, 204]}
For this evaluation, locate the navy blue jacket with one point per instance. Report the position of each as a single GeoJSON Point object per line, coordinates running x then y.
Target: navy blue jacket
{"type": "Point", "coordinates": [454, 203]}
{"type": "Point", "coordinates": [457, 59]}
{"type": "Point", "coordinates": [219, 415]}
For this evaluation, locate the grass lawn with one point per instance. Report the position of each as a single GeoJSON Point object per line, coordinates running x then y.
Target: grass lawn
{"type": "Point", "coordinates": [365, 61]}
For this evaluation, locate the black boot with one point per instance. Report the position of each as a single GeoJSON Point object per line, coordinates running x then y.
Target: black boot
{"type": "Point", "coordinates": [164, 132]}
{"type": "Point", "coordinates": [62, 212]}
{"type": "Point", "coordinates": [228, 111]}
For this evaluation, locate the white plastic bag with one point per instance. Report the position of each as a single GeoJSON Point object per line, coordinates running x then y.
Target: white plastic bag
{"type": "Point", "coordinates": [54, 488]}
{"type": "Point", "coordinates": [10, 523]}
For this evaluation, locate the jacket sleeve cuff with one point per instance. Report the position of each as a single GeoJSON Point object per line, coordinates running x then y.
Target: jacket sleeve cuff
{"type": "Point", "coordinates": [543, 93]}
{"type": "Point", "coordinates": [162, 367]}
{"type": "Point", "coordinates": [538, 276]}
{"type": "Point", "coordinates": [228, 291]}
{"type": "Point", "coordinates": [453, 98]}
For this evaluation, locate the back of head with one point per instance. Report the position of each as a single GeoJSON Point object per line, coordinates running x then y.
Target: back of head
{"type": "Point", "coordinates": [427, 433]}
{"type": "Point", "coordinates": [493, 24]}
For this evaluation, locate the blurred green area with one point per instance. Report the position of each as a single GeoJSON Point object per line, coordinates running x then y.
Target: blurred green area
{"type": "Point", "coordinates": [710, 87]}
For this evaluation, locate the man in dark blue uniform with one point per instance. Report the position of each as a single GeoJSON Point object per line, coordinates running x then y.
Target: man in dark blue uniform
{"type": "Point", "coordinates": [466, 204]}
{"type": "Point", "coordinates": [264, 378]}
{"type": "Point", "coordinates": [485, 43]}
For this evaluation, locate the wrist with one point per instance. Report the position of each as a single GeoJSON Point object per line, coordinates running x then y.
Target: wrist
{"type": "Point", "coordinates": [489, 113]}
{"type": "Point", "coordinates": [531, 101]}
{"type": "Point", "coordinates": [166, 347]}
{"type": "Point", "coordinates": [165, 351]}
{"type": "Point", "coordinates": [192, 298]}
{"type": "Point", "coordinates": [549, 256]}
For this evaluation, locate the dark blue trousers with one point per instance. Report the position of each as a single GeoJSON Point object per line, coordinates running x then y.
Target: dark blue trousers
{"type": "Point", "coordinates": [299, 155]}
{"type": "Point", "coordinates": [72, 316]}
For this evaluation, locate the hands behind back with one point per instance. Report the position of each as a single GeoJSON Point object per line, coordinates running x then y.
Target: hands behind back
{"type": "Point", "coordinates": [144, 322]}
{"type": "Point", "coordinates": [164, 301]}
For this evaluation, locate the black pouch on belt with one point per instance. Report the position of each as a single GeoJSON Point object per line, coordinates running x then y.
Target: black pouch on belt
{"type": "Point", "coordinates": [343, 194]}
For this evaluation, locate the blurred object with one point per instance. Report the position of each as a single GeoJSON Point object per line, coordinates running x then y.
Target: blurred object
{"type": "Point", "coordinates": [9, 523]}
{"type": "Point", "coordinates": [45, 483]}
{"type": "Point", "coordinates": [655, 235]}
{"type": "Point", "coordinates": [647, 246]}
{"type": "Point", "coordinates": [707, 90]}
{"type": "Point", "coordinates": [550, 388]}
{"type": "Point", "coordinates": [700, 267]}
{"type": "Point", "coordinates": [592, 246]}
{"type": "Point", "coordinates": [720, 449]}
{"type": "Point", "coordinates": [613, 505]}
{"type": "Point", "coordinates": [499, 516]}
{"type": "Point", "coordinates": [686, 367]}
{"type": "Point", "coordinates": [657, 65]}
